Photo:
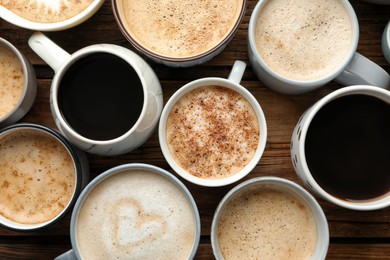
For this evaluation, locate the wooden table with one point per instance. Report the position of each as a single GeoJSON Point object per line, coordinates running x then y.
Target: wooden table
{"type": "Point", "coordinates": [354, 235]}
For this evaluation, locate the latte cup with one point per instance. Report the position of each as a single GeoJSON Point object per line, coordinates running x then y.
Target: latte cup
{"type": "Point", "coordinates": [212, 130]}
{"type": "Point", "coordinates": [269, 217]}
{"type": "Point", "coordinates": [104, 98]}
{"type": "Point", "coordinates": [18, 83]}
{"type": "Point", "coordinates": [141, 212]}
{"type": "Point", "coordinates": [179, 33]}
{"type": "Point", "coordinates": [386, 42]}
{"type": "Point", "coordinates": [48, 15]}
{"type": "Point", "coordinates": [303, 47]}
{"type": "Point", "coordinates": [42, 175]}
{"type": "Point", "coordinates": [339, 147]}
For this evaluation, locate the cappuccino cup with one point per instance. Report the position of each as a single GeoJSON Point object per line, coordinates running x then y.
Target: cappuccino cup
{"type": "Point", "coordinates": [41, 176]}
{"type": "Point", "coordinates": [18, 84]}
{"type": "Point", "coordinates": [48, 15]}
{"type": "Point", "coordinates": [104, 98]}
{"type": "Point", "coordinates": [386, 42]}
{"type": "Point", "coordinates": [339, 147]}
{"type": "Point", "coordinates": [141, 211]}
{"type": "Point", "coordinates": [269, 218]}
{"type": "Point", "coordinates": [213, 131]}
{"type": "Point", "coordinates": [298, 46]}
{"type": "Point", "coordinates": [179, 33]}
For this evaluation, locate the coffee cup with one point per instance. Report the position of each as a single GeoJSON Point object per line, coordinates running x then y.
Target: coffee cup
{"type": "Point", "coordinates": [269, 218]}
{"type": "Point", "coordinates": [48, 15]}
{"type": "Point", "coordinates": [296, 47]}
{"type": "Point", "coordinates": [386, 42]}
{"type": "Point", "coordinates": [212, 130]}
{"type": "Point", "coordinates": [140, 210]}
{"type": "Point", "coordinates": [41, 176]}
{"type": "Point", "coordinates": [340, 144]}
{"type": "Point", "coordinates": [179, 33]}
{"type": "Point", "coordinates": [18, 84]}
{"type": "Point", "coordinates": [104, 98]}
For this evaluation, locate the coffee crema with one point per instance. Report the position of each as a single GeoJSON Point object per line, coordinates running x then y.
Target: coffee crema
{"type": "Point", "coordinates": [179, 29]}
{"type": "Point", "coordinates": [46, 11]}
{"type": "Point", "coordinates": [212, 132]}
{"type": "Point", "coordinates": [266, 223]}
{"type": "Point", "coordinates": [305, 39]}
{"type": "Point", "coordinates": [11, 80]}
{"type": "Point", "coordinates": [37, 177]}
{"type": "Point", "coordinates": [139, 215]}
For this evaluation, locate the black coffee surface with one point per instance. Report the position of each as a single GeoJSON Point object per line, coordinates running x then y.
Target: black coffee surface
{"type": "Point", "coordinates": [101, 96]}
{"type": "Point", "coordinates": [348, 147]}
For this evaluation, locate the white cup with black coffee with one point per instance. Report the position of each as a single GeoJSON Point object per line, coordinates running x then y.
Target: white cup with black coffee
{"type": "Point", "coordinates": [340, 147]}
{"type": "Point", "coordinates": [298, 46]}
{"type": "Point", "coordinates": [104, 98]}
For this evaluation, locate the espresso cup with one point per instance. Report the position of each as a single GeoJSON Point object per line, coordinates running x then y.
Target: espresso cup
{"type": "Point", "coordinates": [48, 15]}
{"type": "Point", "coordinates": [41, 176]}
{"type": "Point", "coordinates": [386, 42]}
{"type": "Point", "coordinates": [339, 147]}
{"type": "Point", "coordinates": [269, 218]}
{"type": "Point", "coordinates": [213, 131]}
{"type": "Point", "coordinates": [18, 84]}
{"type": "Point", "coordinates": [295, 47]}
{"type": "Point", "coordinates": [179, 33]}
{"type": "Point", "coordinates": [141, 211]}
{"type": "Point", "coordinates": [104, 98]}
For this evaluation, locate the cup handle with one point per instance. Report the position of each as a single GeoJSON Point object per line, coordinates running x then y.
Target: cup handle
{"type": "Point", "coordinates": [237, 71]}
{"type": "Point", "coordinates": [69, 255]}
{"type": "Point", "coordinates": [362, 71]}
{"type": "Point", "coordinates": [50, 52]}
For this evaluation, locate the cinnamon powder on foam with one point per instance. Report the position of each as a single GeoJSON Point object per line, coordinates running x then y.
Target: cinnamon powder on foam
{"type": "Point", "coordinates": [212, 132]}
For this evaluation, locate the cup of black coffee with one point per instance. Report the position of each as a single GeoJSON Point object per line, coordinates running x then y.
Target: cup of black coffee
{"type": "Point", "coordinates": [340, 147]}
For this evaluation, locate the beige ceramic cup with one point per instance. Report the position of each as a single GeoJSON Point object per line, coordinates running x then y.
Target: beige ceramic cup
{"type": "Point", "coordinates": [28, 83]}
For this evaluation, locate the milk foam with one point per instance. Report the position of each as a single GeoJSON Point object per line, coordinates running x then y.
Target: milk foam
{"type": "Point", "coordinates": [212, 132]}
{"type": "Point", "coordinates": [46, 11]}
{"type": "Point", "coordinates": [267, 224]}
{"type": "Point", "coordinates": [304, 39]}
{"type": "Point", "coordinates": [136, 215]}
{"type": "Point", "coordinates": [11, 80]}
{"type": "Point", "coordinates": [180, 28]}
{"type": "Point", "coordinates": [37, 177]}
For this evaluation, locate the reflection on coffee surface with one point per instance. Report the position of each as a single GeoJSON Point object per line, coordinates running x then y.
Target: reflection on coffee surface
{"type": "Point", "coordinates": [305, 39]}
{"type": "Point", "coordinates": [266, 223]}
{"type": "Point", "coordinates": [46, 11]}
{"type": "Point", "coordinates": [37, 177]}
{"type": "Point", "coordinates": [180, 29]}
{"type": "Point", "coordinates": [347, 147]}
{"type": "Point", "coordinates": [212, 132]}
{"type": "Point", "coordinates": [136, 214]}
{"type": "Point", "coordinates": [11, 80]}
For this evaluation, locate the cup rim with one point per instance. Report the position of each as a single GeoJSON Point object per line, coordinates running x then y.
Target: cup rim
{"type": "Point", "coordinates": [302, 83]}
{"type": "Point", "coordinates": [203, 82]}
{"type": "Point", "coordinates": [131, 167]}
{"type": "Point", "coordinates": [178, 60]}
{"type": "Point", "coordinates": [19, 21]}
{"type": "Point", "coordinates": [112, 49]}
{"type": "Point", "coordinates": [288, 185]}
{"type": "Point", "coordinates": [373, 204]}
{"type": "Point", "coordinates": [77, 168]}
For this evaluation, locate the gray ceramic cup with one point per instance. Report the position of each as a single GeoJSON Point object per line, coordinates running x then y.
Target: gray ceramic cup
{"type": "Point", "coordinates": [386, 42]}
{"type": "Point", "coordinates": [29, 90]}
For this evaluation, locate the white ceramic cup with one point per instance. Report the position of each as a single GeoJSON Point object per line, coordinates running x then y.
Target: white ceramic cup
{"type": "Point", "coordinates": [353, 70]}
{"type": "Point", "coordinates": [299, 157]}
{"type": "Point", "coordinates": [29, 87]}
{"type": "Point", "coordinates": [55, 26]}
{"type": "Point", "coordinates": [284, 185]}
{"type": "Point", "coordinates": [75, 253]}
{"type": "Point", "coordinates": [386, 42]}
{"type": "Point", "coordinates": [79, 160]}
{"type": "Point", "coordinates": [61, 62]}
{"type": "Point", "coordinates": [233, 82]}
